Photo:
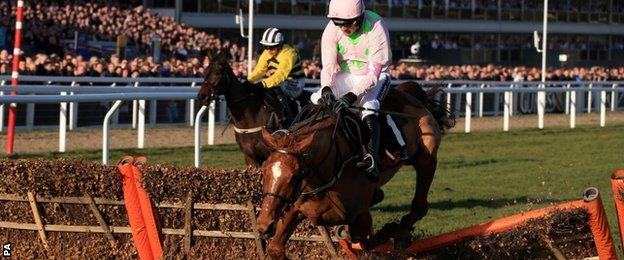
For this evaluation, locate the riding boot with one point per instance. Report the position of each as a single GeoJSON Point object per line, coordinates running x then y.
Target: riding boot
{"type": "Point", "coordinates": [276, 101]}
{"type": "Point", "coordinates": [284, 102]}
{"type": "Point", "coordinates": [370, 162]}
{"type": "Point", "coordinates": [304, 98]}
{"type": "Point", "coordinates": [270, 103]}
{"type": "Point", "coordinates": [404, 154]}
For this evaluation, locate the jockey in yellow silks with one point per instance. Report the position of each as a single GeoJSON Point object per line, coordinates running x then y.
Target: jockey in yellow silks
{"type": "Point", "coordinates": [282, 64]}
{"type": "Point", "coordinates": [355, 53]}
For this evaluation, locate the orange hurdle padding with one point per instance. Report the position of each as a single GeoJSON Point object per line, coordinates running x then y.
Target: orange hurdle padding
{"type": "Point", "coordinates": [147, 209]}
{"type": "Point", "coordinates": [617, 187]}
{"type": "Point", "coordinates": [140, 212]}
{"type": "Point", "coordinates": [133, 206]}
{"type": "Point", "coordinates": [591, 202]}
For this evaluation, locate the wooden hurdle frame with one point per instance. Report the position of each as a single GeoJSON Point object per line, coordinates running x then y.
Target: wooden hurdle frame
{"type": "Point", "coordinates": [188, 206]}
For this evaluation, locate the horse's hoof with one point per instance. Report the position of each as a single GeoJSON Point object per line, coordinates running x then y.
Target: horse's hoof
{"type": "Point", "coordinates": [275, 253]}
{"type": "Point", "coordinates": [378, 196]}
{"type": "Point", "coordinates": [342, 232]}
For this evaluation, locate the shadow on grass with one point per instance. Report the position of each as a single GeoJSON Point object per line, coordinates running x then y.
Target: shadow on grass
{"type": "Point", "coordinates": [469, 203]}
{"type": "Point", "coordinates": [455, 164]}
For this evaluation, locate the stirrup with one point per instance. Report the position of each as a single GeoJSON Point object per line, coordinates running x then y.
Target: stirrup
{"type": "Point", "coordinates": [370, 171]}
{"type": "Point", "coordinates": [404, 154]}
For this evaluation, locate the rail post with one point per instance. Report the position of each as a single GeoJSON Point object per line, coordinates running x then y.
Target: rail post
{"type": "Point", "coordinates": [468, 115]}
{"type": "Point", "coordinates": [507, 110]}
{"type": "Point", "coordinates": [190, 108]}
{"type": "Point", "coordinates": [614, 95]}
{"type": "Point", "coordinates": [589, 98]}
{"type": "Point", "coordinates": [134, 109]}
{"type": "Point", "coordinates": [198, 117]}
{"type": "Point", "coordinates": [573, 109]}
{"type": "Point", "coordinates": [2, 109]}
{"type": "Point", "coordinates": [448, 97]}
{"type": "Point", "coordinates": [15, 74]}
{"type": "Point", "coordinates": [603, 108]}
{"type": "Point", "coordinates": [62, 124]}
{"type": "Point", "coordinates": [141, 124]}
{"type": "Point", "coordinates": [105, 131]}
{"type": "Point", "coordinates": [567, 100]}
{"type": "Point", "coordinates": [480, 100]}
{"type": "Point", "coordinates": [211, 123]}
{"type": "Point", "coordinates": [73, 110]}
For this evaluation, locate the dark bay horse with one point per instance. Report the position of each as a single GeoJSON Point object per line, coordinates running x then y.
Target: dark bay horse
{"type": "Point", "coordinates": [311, 172]}
{"type": "Point", "coordinates": [246, 106]}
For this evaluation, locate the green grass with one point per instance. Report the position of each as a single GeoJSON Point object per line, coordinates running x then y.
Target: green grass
{"type": "Point", "coordinates": [481, 176]}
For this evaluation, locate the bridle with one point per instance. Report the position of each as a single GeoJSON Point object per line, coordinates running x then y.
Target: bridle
{"type": "Point", "coordinates": [296, 178]}
{"type": "Point", "coordinates": [306, 169]}
{"type": "Point", "coordinates": [227, 78]}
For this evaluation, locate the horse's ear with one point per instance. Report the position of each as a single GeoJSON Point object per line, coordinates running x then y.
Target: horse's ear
{"type": "Point", "coordinates": [224, 55]}
{"type": "Point", "coordinates": [303, 144]}
{"type": "Point", "coordinates": [269, 140]}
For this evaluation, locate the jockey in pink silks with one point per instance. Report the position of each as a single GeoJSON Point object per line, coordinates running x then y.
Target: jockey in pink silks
{"type": "Point", "coordinates": [356, 53]}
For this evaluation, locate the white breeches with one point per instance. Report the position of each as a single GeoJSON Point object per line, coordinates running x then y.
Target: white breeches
{"type": "Point", "coordinates": [345, 82]}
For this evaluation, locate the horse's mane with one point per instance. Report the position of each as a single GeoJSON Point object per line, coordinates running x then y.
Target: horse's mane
{"type": "Point", "coordinates": [312, 119]}
{"type": "Point", "coordinates": [223, 59]}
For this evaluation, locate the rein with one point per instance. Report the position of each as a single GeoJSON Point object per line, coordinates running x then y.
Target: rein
{"type": "Point", "coordinates": [229, 80]}
{"type": "Point", "coordinates": [303, 173]}
{"type": "Point", "coordinates": [381, 111]}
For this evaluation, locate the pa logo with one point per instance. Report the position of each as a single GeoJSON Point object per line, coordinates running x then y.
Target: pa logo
{"type": "Point", "coordinates": [6, 250]}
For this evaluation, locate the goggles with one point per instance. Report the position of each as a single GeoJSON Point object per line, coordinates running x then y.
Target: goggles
{"type": "Point", "coordinates": [344, 22]}
{"type": "Point", "coordinates": [274, 47]}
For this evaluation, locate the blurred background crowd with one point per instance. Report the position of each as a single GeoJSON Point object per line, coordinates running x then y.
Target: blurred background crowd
{"type": "Point", "coordinates": [50, 47]}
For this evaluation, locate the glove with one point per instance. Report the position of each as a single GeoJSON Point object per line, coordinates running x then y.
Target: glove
{"type": "Point", "coordinates": [258, 85]}
{"type": "Point", "coordinates": [327, 97]}
{"type": "Point", "coordinates": [344, 102]}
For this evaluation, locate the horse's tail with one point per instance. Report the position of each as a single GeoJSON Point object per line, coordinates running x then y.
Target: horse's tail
{"type": "Point", "coordinates": [437, 106]}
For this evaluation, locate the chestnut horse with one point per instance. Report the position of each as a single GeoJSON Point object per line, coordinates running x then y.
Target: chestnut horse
{"type": "Point", "coordinates": [311, 171]}
{"type": "Point", "coordinates": [246, 106]}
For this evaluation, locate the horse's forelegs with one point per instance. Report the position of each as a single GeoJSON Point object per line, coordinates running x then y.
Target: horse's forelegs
{"type": "Point", "coordinates": [425, 166]}
{"type": "Point", "coordinates": [251, 161]}
{"type": "Point", "coordinates": [361, 229]}
{"type": "Point", "coordinates": [284, 229]}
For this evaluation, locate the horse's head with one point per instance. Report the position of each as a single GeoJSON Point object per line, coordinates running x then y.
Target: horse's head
{"type": "Point", "coordinates": [283, 174]}
{"type": "Point", "coordinates": [218, 76]}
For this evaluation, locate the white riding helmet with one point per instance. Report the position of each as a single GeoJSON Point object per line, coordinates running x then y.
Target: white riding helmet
{"type": "Point", "coordinates": [345, 9]}
{"type": "Point", "coordinates": [272, 37]}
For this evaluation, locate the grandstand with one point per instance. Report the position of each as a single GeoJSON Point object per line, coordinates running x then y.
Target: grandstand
{"type": "Point", "coordinates": [590, 32]}
{"type": "Point", "coordinates": [474, 40]}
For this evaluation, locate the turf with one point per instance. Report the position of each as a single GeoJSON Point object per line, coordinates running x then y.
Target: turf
{"type": "Point", "coordinates": [481, 176]}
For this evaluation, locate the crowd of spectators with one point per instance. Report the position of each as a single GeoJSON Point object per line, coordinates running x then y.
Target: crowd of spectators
{"type": "Point", "coordinates": [47, 22]}
{"type": "Point", "coordinates": [503, 73]}
{"type": "Point", "coordinates": [187, 51]}
{"type": "Point", "coordinates": [76, 65]}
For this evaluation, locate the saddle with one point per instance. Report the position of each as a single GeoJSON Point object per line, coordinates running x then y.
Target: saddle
{"type": "Point", "coordinates": [356, 131]}
{"type": "Point", "coordinates": [358, 135]}
{"type": "Point", "coordinates": [282, 109]}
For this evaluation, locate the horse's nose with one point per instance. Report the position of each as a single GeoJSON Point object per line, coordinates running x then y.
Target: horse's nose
{"type": "Point", "coordinates": [266, 230]}
{"type": "Point", "coordinates": [200, 96]}
{"type": "Point", "coordinates": [202, 99]}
